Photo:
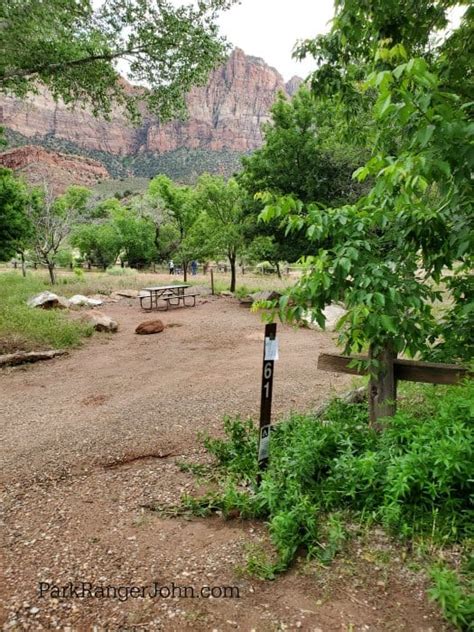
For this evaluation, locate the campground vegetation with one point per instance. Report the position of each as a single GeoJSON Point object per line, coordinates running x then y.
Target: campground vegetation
{"type": "Point", "coordinates": [365, 180]}
{"type": "Point", "coordinates": [331, 475]}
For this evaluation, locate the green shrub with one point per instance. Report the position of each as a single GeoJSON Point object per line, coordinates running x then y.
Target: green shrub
{"type": "Point", "coordinates": [456, 600]}
{"type": "Point", "coordinates": [119, 271]}
{"type": "Point", "coordinates": [415, 478]}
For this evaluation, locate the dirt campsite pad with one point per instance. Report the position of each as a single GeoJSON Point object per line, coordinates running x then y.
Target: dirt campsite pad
{"type": "Point", "coordinates": [90, 441]}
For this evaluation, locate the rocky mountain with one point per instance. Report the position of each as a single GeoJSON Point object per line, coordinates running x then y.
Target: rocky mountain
{"type": "Point", "coordinates": [38, 165]}
{"type": "Point", "coordinates": [224, 121]}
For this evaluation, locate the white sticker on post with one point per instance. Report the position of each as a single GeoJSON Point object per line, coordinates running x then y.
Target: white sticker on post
{"type": "Point", "coordinates": [264, 445]}
{"type": "Point", "coordinates": [271, 349]}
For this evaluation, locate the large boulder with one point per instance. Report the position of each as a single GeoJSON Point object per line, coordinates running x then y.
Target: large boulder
{"type": "Point", "coordinates": [100, 321]}
{"type": "Point", "coordinates": [63, 302]}
{"type": "Point", "coordinates": [150, 327]}
{"type": "Point", "coordinates": [332, 314]}
{"type": "Point", "coordinates": [265, 296]}
{"type": "Point", "coordinates": [250, 299]}
{"type": "Point", "coordinates": [80, 300]}
{"type": "Point", "coordinates": [48, 300]}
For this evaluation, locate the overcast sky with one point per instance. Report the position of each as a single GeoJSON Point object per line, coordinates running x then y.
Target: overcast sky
{"type": "Point", "coordinates": [270, 29]}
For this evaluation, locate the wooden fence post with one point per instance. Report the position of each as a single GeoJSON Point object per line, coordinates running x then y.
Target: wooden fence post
{"type": "Point", "coordinates": [382, 391]}
{"type": "Point", "coordinates": [382, 388]}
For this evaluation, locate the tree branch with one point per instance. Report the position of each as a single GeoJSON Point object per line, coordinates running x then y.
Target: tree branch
{"type": "Point", "coordinates": [51, 67]}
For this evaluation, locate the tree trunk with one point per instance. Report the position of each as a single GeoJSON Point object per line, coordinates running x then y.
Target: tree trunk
{"type": "Point", "coordinates": [382, 388]}
{"type": "Point", "coordinates": [21, 357]}
{"type": "Point", "coordinates": [52, 276]}
{"type": "Point", "coordinates": [23, 269]}
{"type": "Point", "coordinates": [277, 265]}
{"type": "Point", "coordinates": [185, 271]}
{"type": "Point", "coordinates": [232, 273]}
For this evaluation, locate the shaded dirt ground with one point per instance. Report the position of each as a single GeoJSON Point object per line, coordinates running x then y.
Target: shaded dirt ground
{"type": "Point", "coordinates": [88, 441]}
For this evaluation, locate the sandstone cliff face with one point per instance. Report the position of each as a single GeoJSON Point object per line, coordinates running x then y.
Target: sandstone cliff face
{"type": "Point", "coordinates": [293, 84]}
{"type": "Point", "coordinates": [225, 114]}
{"type": "Point", "coordinates": [38, 165]}
{"type": "Point", "coordinates": [41, 116]}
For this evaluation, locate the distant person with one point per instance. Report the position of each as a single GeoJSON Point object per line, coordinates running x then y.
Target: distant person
{"type": "Point", "coordinates": [171, 266]}
{"type": "Point", "coordinates": [194, 268]}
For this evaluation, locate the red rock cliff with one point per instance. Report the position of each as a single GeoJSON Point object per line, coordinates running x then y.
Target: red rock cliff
{"type": "Point", "coordinates": [37, 165]}
{"type": "Point", "coordinates": [225, 114]}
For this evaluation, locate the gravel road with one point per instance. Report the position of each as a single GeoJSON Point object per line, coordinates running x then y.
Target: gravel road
{"type": "Point", "coordinates": [136, 403]}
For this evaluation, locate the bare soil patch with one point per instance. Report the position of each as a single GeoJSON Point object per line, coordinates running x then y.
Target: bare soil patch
{"type": "Point", "coordinates": [90, 440]}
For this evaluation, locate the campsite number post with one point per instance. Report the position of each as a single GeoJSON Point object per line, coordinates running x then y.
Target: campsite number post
{"type": "Point", "coordinates": [270, 354]}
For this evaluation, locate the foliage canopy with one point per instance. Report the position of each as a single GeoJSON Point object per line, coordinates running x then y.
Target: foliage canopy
{"type": "Point", "coordinates": [394, 249]}
{"type": "Point", "coordinates": [72, 46]}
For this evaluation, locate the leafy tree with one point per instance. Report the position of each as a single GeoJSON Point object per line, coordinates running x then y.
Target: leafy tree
{"type": "Point", "coordinates": [178, 202]}
{"type": "Point", "coordinates": [114, 230]}
{"type": "Point", "coordinates": [304, 154]}
{"type": "Point", "coordinates": [53, 219]}
{"type": "Point", "coordinates": [262, 248]}
{"type": "Point", "coordinates": [221, 223]}
{"type": "Point", "coordinates": [412, 231]}
{"type": "Point", "coordinates": [135, 235]}
{"type": "Point", "coordinates": [72, 46]}
{"type": "Point", "coordinates": [350, 50]}
{"type": "Point", "coordinates": [65, 257]}
{"type": "Point", "coordinates": [99, 243]}
{"type": "Point", "coordinates": [153, 208]}
{"type": "Point", "coordinates": [14, 224]}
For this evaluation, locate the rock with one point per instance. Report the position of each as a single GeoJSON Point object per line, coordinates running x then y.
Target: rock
{"type": "Point", "coordinates": [332, 313]}
{"type": "Point", "coordinates": [60, 170]}
{"type": "Point", "coordinates": [264, 296]}
{"type": "Point", "coordinates": [125, 294]}
{"type": "Point", "coordinates": [100, 321]}
{"type": "Point", "coordinates": [246, 301]}
{"type": "Point", "coordinates": [63, 302]}
{"type": "Point", "coordinates": [48, 300]}
{"type": "Point", "coordinates": [150, 327]}
{"type": "Point", "coordinates": [80, 300]}
{"type": "Point", "coordinates": [226, 293]}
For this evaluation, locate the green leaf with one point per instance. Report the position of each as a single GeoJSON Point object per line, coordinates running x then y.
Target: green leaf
{"type": "Point", "coordinates": [425, 134]}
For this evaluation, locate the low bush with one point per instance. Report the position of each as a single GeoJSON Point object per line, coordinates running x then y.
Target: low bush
{"type": "Point", "coordinates": [415, 478]}
{"type": "Point", "coordinates": [119, 271]}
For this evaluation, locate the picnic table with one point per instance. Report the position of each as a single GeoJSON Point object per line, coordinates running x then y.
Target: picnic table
{"type": "Point", "coordinates": [169, 294]}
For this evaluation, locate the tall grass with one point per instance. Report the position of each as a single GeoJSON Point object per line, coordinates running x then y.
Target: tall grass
{"type": "Point", "coordinates": [24, 328]}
